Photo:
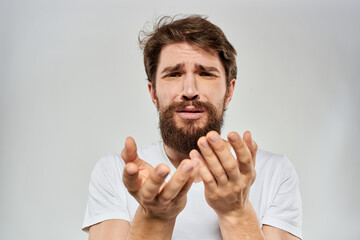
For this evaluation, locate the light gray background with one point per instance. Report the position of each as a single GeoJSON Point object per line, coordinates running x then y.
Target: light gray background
{"type": "Point", "coordinates": [73, 87]}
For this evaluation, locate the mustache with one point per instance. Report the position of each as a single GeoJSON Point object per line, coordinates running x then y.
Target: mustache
{"type": "Point", "coordinates": [196, 103]}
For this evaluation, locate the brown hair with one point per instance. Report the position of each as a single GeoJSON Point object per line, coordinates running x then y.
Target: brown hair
{"type": "Point", "coordinates": [195, 30]}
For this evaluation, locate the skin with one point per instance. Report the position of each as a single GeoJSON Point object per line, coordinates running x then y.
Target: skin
{"type": "Point", "coordinates": [227, 179]}
{"type": "Point", "coordinates": [189, 82]}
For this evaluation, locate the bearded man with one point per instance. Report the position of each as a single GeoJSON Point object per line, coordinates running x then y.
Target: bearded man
{"type": "Point", "coordinates": [193, 184]}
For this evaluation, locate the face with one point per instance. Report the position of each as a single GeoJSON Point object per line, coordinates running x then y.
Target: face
{"type": "Point", "coordinates": [191, 92]}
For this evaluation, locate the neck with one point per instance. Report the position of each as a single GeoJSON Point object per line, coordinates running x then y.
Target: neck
{"type": "Point", "coordinates": [175, 156]}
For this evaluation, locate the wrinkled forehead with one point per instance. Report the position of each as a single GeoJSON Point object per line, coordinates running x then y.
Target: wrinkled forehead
{"type": "Point", "coordinates": [181, 55]}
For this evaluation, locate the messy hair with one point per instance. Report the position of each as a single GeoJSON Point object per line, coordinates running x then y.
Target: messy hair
{"type": "Point", "coordinates": [195, 30]}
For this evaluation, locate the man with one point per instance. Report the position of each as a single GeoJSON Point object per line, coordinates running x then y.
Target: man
{"type": "Point", "coordinates": [194, 184]}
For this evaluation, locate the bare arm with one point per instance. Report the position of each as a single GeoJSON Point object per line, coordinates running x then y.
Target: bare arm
{"type": "Point", "coordinates": [118, 229]}
{"type": "Point", "coordinates": [109, 229]}
{"type": "Point", "coordinates": [273, 233]}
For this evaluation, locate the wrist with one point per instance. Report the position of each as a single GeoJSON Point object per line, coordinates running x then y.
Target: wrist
{"type": "Point", "coordinates": [241, 222]}
{"type": "Point", "coordinates": [155, 217]}
{"type": "Point", "coordinates": [241, 213]}
{"type": "Point", "coordinates": [148, 226]}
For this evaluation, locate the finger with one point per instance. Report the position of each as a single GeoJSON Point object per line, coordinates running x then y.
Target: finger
{"type": "Point", "coordinates": [153, 183]}
{"type": "Point", "coordinates": [194, 154]}
{"type": "Point", "coordinates": [254, 151]}
{"type": "Point", "coordinates": [226, 158]}
{"type": "Point", "coordinates": [177, 181]}
{"type": "Point", "coordinates": [129, 152]}
{"type": "Point", "coordinates": [194, 175]}
{"type": "Point", "coordinates": [242, 152]}
{"type": "Point", "coordinates": [196, 163]}
{"type": "Point", "coordinates": [204, 172]}
{"type": "Point", "coordinates": [212, 161]}
{"type": "Point", "coordinates": [184, 190]}
{"type": "Point", "coordinates": [251, 144]}
{"type": "Point", "coordinates": [196, 158]}
{"type": "Point", "coordinates": [131, 178]}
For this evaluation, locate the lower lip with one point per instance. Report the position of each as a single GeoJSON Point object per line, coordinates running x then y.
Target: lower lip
{"type": "Point", "coordinates": [190, 115]}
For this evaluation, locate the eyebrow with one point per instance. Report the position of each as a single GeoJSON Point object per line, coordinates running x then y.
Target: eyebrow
{"type": "Point", "coordinates": [206, 68]}
{"type": "Point", "coordinates": [173, 68]}
{"type": "Point", "coordinates": [181, 65]}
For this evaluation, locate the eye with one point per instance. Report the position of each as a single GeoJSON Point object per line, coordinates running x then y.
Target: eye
{"type": "Point", "coordinates": [173, 75]}
{"type": "Point", "coordinates": [206, 74]}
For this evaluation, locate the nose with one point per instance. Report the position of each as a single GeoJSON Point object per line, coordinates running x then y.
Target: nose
{"type": "Point", "coordinates": [190, 91]}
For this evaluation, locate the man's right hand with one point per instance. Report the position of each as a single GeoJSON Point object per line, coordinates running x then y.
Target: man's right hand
{"type": "Point", "coordinates": [160, 202]}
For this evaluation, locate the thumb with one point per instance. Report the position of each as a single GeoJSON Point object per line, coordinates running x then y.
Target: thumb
{"type": "Point", "coordinates": [129, 152]}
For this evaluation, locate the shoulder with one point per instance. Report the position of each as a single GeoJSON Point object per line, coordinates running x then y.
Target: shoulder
{"type": "Point", "coordinates": [268, 162]}
{"type": "Point", "coordinates": [107, 172]}
{"type": "Point", "coordinates": [274, 174]}
{"type": "Point", "coordinates": [108, 164]}
{"type": "Point", "coordinates": [266, 157]}
{"type": "Point", "coordinates": [277, 187]}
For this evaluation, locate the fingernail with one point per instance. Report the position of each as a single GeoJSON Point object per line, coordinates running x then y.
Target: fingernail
{"type": "Point", "coordinates": [186, 168]}
{"type": "Point", "coordinates": [160, 172]}
{"type": "Point", "coordinates": [204, 143]}
{"type": "Point", "coordinates": [195, 154]}
{"type": "Point", "coordinates": [233, 137]}
{"type": "Point", "coordinates": [129, 172]}
{"type": "Point", "coordinates": [214, 137]}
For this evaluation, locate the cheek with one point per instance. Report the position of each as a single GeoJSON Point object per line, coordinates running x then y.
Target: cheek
{"type": "Point", "coordinates": [218, 100]}
{"type": "Point", "coordinates": [215, 94]}
{"type": "Point", "coordinates": [163, 100]}
{"type": "Point", "coordinates": [168, 95]}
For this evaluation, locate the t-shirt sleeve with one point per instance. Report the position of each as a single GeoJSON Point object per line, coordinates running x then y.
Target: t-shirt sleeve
{"type": "Point", "coordinates": [285, 210]}
{"type": "Point", "coordinates": [107, 198]}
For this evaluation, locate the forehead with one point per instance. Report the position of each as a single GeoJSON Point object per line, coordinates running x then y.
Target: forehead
{"type": "Point", "coordinates": [188, 55]}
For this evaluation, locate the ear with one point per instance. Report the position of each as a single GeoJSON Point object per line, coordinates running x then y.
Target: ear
{"type": "Point", "coordinates": [230, 92]}
{"type": "Point", "coordinates": [152, 94]}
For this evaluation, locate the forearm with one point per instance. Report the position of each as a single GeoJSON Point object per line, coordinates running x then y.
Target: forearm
{"type": "Point", "coordinates": [146, 227]}
{"type": "Point", "coordinates": [240, 225]}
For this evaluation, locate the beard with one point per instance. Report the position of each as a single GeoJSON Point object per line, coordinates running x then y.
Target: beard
{"type": "Point", "coordinates": [184, 139]}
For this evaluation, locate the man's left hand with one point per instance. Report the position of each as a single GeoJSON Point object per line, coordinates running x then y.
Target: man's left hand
{"type": "Point", "coordinates": [227, 179]}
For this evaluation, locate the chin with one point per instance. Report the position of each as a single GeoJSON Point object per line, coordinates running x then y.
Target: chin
{"type": "Point", "coordinates": [184, 123]}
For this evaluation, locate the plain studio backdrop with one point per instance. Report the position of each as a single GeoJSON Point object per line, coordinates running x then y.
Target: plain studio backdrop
{"type": "Point", "coordinates": [73, 87]}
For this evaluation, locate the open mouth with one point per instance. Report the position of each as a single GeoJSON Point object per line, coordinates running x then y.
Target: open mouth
{"type": "Point", "coordinates": [195, 111]}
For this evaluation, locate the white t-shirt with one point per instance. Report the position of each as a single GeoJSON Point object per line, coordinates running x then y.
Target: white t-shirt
{"type": "Point", "coordinates": [274, 195]}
